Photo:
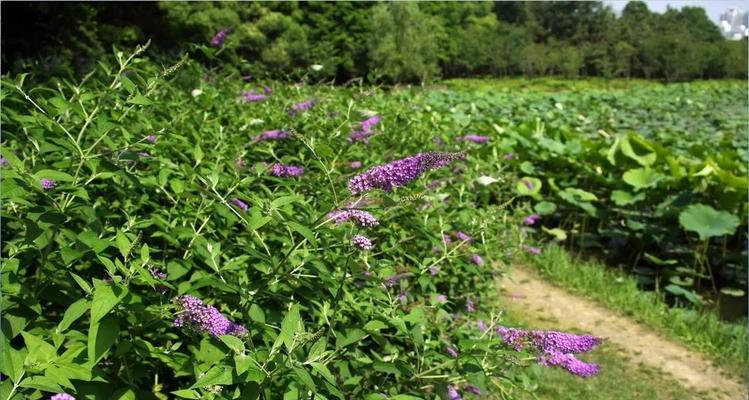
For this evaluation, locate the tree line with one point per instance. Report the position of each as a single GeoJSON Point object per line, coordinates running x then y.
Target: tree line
{"type": "Point", "coordinates": [386, 42]}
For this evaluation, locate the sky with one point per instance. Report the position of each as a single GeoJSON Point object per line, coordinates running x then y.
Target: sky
{"type": "Point", "coordinates": [713, 7]}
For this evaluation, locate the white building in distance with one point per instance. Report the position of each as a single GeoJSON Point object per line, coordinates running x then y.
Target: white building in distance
{"type": "Point", "coordinates": [734, 23]}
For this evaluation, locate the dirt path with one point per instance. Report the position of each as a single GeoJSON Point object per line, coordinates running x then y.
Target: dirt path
{"type": "Point", "coordinates": [526, 291]}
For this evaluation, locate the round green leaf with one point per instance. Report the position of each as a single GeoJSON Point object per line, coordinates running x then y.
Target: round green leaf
{"type": "Point", "coordinates": [707, 221]}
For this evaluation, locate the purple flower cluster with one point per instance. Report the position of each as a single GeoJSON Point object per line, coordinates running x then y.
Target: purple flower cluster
{"type": "Point", "coordinates": [482, 326]}
{"type": "Point", "coordinates": [476, 259]}
{"type": "Point", "coordinates": [554, 348]}
{"type": "Point", "coordinates": [273, 135]}
{"type": "Point", "coordinates": [451, 352]}
{"type": "Point", "coordinates": [473, 389]}
{"type": "Point", "coordinates": [463, 237]}
{"type": "Point", "coordinates": [62, 396]}
{"type": "Point", "coordinates": [531, 249]}
{"type": "Point", "coordinates": [196, 315]}
{"type": "Point", "coordinates": [366, 130]}
{"type": "Point", "coordinates": [531, 219]}
{"type": "Point", "coordinates": [220, 37]}
{"type": "Point", "coordinates": [47, 183]}
{"type": "Point", "coordinates": [441, 298]}
{"type": "Point", "coordinates": [399, 173]}
{"type": "Point", "coordinates": [476, 138]}
{"type": "Point", "coordinates": [361, 242]}
{"type": "Point", "coordinates": [393, 280]}
{"type": "Point", "coordinates": [360, 217]}
{"type": "Point", "coordinates": [281, 170]}
{"type": "Point", "coordinates": [305, 105]}
{"type": "Point", "coordinates": [241, 204]}
{"type": "Point", "coordinates": [470, 307]}
{"type": "Point", "coordinates": [452, 394]}
{"type": "Point", "coordinates": [3, 161]}
{"type": "Point", "coordinates": [568, 362]}
{"type": "Point", "coordinates": [152, 138]}
{"type": "Point", "coordinates": [403, 297]}
{"type": "Point", "coordinates": [434, 270]}
{"type": "Point", "coordinates": [252, 97]}
{"type": "Point", "coordinates": [355, 164]}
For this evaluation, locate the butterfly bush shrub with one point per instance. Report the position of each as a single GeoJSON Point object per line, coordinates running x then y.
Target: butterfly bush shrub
{"type": "Point", "coordinates": [154, 248]}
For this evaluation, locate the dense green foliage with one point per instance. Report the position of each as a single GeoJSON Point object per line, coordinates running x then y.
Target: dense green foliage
{"type": "Point", "coordinates": [392, 42]}
{"type": "Point", "coordinates": [653, 178]}
{"type": "Point", "coordinates": [91, 265]}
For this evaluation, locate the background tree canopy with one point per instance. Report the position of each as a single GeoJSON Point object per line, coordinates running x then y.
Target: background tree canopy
{"type": "Point", "coordinates": [390, 42]}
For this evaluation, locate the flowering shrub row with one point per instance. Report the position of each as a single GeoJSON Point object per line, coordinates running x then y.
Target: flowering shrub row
{"type": "Point", "coordinates": [164, 238]}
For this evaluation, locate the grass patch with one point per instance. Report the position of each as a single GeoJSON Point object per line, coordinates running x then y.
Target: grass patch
{"type": "Point", "coordinates": [724, 342]}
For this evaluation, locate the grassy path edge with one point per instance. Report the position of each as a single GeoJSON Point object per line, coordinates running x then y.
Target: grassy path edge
{"type": "Point", "coordinates": [726, 343]}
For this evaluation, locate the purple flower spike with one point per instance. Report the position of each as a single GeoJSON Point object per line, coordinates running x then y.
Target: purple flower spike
{"type": "Point", "coordinates": [252, 97]}
{"type": "Point", "coordinates": [531, 219]}
{"type": "Point", "coordinates": [220, 37]}
{"type": "Point", "coordinates": [399, 173]}
{"type": "Point", "coordinates": [281, 170]}
{"type": "Point", "coordinates": [482, 326]}
{"type": "Point", "coordinates": [355, 164]}
{"type": "Point", "coordinates": [531, 249]}
{"type": "Point", "coordinates": [451, 352]}
{"type": "Point", "coordinates": [434, 270]}
{"type": "Point", "coordinates": [273, 135]}
{"type": "Point", "coordinates": [473, 389]}
{"type": "Point", "coordinates": [476, 259]}
{"type": "Point", "coordinates": [562, 342]}
{"type": "Point", "coordinates": [360, 217]}
{"type": "Point", "coordinates": [463, 237]}
{"type": "Point", "coordinates": [470, 307]}
{"type": "Point", "coordinates": [152, 138]}
{"type": "Point", "coordinates": [476, 138]}
{"type": "Point", "coordinates": [368, 123]}
{"type": "Point", "coordinates": [403, 297]}
{"type": "Point", "coordinates": [241, 204]}
{"type": "Point", "coordinates": [202, 318]}
{"type": "Point", "coordinates": [47, 183]}
{"type": "Point", "coordinates": [441, 298]}
{"type": "Point", "coordinates": [361, 242]}
{"type": "Point", "coordinates": [452, 394]}
{"type": "Point", "coordinates": [359, 136]}
{"type": "Point", "coordinates": [62, 396]}
{"type": "Point", "coordinates": [570, 363]}
{"type": "Point", "coordinates": [305, 105]}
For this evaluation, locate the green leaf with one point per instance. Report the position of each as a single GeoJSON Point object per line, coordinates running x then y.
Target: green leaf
{"type": "Point", "coordinates": [632, 142]}
{"type": "Point", "coordinates": [558, 233]}
{"type": "Point", "coordinates": [622, 198]}
{"type": "Point", "coordinates": [54, 175]}
{"type": "Point", "coordinates": [233, 342]}
{"type": "Point", "coordinates": [39, 351]}
{"type": "Point", "coordinates": [385, 367]}
{"type": "Point", "coordinates": [289, 326]}
{"type": "Point", "coordinates": [707, 221]}
{"type": "Point", "coordinates": [323, 370]}
{"type": "Point", "coordinates": [257, 314]}
{"type": "Point", "coordinates": [545, 208]}
{"type": "Point", "coordinates": [12, 364]}
{"type": "Point", "coordinates": [123, 243]}
{"type": "Point", "coordinates": [75, 311]}
{"type": "Point", "coordinates": [640, 178]}
{"type": "Point", "coordinates": [106, 296]}
{"type": "Point", "coordinates": [82, 283]}
{"type": "Point", "coordinates": [217, 375]}
{"type": "Point", "coordinates": [304, 231]}
{"type": "Point", "coordinates": [140, 100]}
{"type": "Point", "coordinates": [187, 394]}
{"type": "Point", "coordinates": [127, 84]}
{"type": "Point", "coordinates": [529, 186]}
{"type": "Point", "coordinates": [305, 378]}
{"type": "Point", "coordinates": [101, 336]}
